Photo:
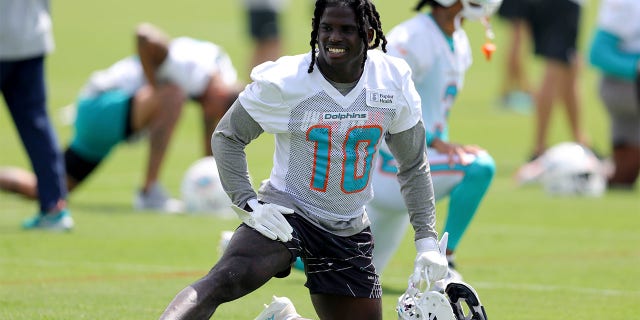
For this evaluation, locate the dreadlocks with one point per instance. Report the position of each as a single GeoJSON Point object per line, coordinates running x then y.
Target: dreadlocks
{"type": "Point", "coordinates": [366, 15]}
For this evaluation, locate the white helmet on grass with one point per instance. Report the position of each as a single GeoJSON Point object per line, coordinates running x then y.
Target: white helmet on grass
{"type": "Point", "coordinates": [571, 169]}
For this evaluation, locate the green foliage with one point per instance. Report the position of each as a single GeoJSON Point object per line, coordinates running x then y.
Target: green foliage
{"type": "Point", "coordinates": [529, 256]}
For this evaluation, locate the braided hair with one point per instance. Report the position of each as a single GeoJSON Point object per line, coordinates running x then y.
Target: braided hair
{"type": "Point", "coordinates": [366, 15]}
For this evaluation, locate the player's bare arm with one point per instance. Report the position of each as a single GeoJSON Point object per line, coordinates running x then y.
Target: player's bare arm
{"type": "Point", "coordinates": [153, 48]}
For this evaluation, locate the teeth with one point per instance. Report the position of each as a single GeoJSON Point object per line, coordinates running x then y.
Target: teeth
{"type": "Point", "coordinates": [336, 50]}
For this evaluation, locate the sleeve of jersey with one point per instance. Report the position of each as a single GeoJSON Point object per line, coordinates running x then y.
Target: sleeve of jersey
{"type": "Point", "coordinates": [408, 147]}
{"type": "Point", "coordinates": [410, 111]}
{"type": "Point", "coordinates": [235, 130]}
{"type": "Point", "coordinates": [614, 16]}
{"type": "Point", "coordinates": [606, 55]}
{"type": "Point", "coordinates": [399, 45]}
{"type": "Point", "coordinates": [264, 101]}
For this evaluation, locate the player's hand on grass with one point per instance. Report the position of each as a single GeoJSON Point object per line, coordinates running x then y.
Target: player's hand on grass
{"type": "Point", "coordinates": [268, 219]}
{"type": "Point", "coordinates": [431, 262]}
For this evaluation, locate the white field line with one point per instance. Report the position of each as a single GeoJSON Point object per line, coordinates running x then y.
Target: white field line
{"type": "Point", "coordinates": [97, 264]}
{"type": "Point", "coordinates": [476, 284]}
{"type": "Point", "coordinates": [554, 288]}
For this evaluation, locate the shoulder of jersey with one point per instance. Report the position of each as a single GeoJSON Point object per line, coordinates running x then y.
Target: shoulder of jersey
{"type": "Point", "coordinates": [286, 67]}
{"type": "Point", "coordinates": [186, 46]}
{"type": "Point", "coordinates": [382, 60]}
{"type": "Point", "coordinates": [412, 35]}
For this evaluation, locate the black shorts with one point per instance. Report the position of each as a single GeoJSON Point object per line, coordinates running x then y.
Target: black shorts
{"type": "Point", "coordinates": [554, 26]}
{"type": "Point", "coordinates": [513, 9]}
{"type": "Point", "coordinates": [263, 24]}
{"type": "Point", "coordinates": [335, 265]}
{"type": "Point", "coordinates": [77, 166]}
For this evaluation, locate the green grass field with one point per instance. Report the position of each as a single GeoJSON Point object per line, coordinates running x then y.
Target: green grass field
{"type": "Point", "coordinates": [530, 256]}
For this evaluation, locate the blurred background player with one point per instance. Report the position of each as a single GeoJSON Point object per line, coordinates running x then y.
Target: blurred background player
{"type": "Point", "coordinates": [26, 37]}
{"type": "Point", "coordinates": [516, 89]}
{"type": "Point", "coordinates": [615, 51]}
{"type": "Point", "coordinates": [437, 49]}
{"type": "Point", "coordinates": [263, 17]}
{"type": "Point", "coordinates": [554, 26]}
{"type": "Point", "coordinates": [143, 94]}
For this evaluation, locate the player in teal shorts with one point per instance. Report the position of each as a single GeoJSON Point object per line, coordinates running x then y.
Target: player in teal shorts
{"type": "Point", "coordinates": [143, 95]}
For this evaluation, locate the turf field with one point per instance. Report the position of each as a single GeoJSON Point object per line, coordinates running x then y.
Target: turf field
{"type": "Point", "coordinates": [528, 255]}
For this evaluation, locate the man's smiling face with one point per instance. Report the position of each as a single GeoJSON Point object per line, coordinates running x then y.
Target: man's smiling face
{"type": "Point", "coordinates": [340, 48]}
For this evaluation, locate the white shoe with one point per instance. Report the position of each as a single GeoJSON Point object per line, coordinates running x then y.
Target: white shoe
{"type": "Point", "coordinates": [280, 308]}
{"type": "Point", "coordinates": [157, 199]}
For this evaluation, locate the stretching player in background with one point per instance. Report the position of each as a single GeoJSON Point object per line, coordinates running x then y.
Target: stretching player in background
{"type": "Point", "coordinates": [615, 51]}
{"type": "Point", "coordinates": [142, 94]}
{"type": "Point", "coordinates": [437, 49]}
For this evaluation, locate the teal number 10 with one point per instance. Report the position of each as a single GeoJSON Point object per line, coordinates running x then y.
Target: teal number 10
{"type": "Point", "coordinates": [358, 149]}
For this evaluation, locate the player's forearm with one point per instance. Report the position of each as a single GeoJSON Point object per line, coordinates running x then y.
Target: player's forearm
{"type": "Point", "coordinates": [234, 131]}
{"type": "Point", "coordinates": [606, 55]}
{"type": "Point", "coordinates": [409, 149]}
{"type": "Point", "coordinates": [153, 48]}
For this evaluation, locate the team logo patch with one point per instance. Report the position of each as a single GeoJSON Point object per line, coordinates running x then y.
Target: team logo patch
{"type": "Point", "coordinates": [382, 98]}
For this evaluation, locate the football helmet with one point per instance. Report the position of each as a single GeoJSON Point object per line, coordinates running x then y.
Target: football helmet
{"type": "Point", "coordinates": [478, 9]}
{"type": "Point", "coordinates": [459, 302]}
{"type": "Point", "coordinates": [474, 9]}
{"type": "Point", "coordinates": [420, 305]}
{"type": "Point", "coordinates": [202, 191]}
{"type": "Point", "coordinates": [446, 3]}
{"type": "Point", "coordinates": [459, 293]}
{"type": "Point", "coordinates": [572, 169]}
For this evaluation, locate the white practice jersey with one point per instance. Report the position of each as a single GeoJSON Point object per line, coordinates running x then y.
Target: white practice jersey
{"type": "Point", "coordinates": [189, 65]}
{"type": "Point", "coordinates": [326, 143]}
{"type": "Point", "coordinates": [437, 70]}
{"type": "Point", "coordinates": [622, 18]}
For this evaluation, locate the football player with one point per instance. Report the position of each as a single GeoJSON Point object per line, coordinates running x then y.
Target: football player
{"type": "Point", "coordinates": [437, 49]}
{"type": "Point", "coordinates": [329, 111]}
{"type": "Point", "coordinates": [138, 95]}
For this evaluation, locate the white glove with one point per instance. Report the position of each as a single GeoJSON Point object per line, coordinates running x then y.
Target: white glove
{"type": "Point", "coordinates": [267, 219]}
{"type": "Point", "coordinates": [431, 262]}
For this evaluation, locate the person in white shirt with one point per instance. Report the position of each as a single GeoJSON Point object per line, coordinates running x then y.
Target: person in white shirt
{"type": "Point", "coordinates": [143, 94]}
{"type": "Point", "coordinates": [329, 111]}
{"type": "Point", "coordinates": [437, 49]}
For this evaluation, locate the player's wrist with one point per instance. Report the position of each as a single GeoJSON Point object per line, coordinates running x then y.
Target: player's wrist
{"type": "Point", "coordinates": [426, 244]}
{"type": "Point", "coordinates": [253, 204]}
